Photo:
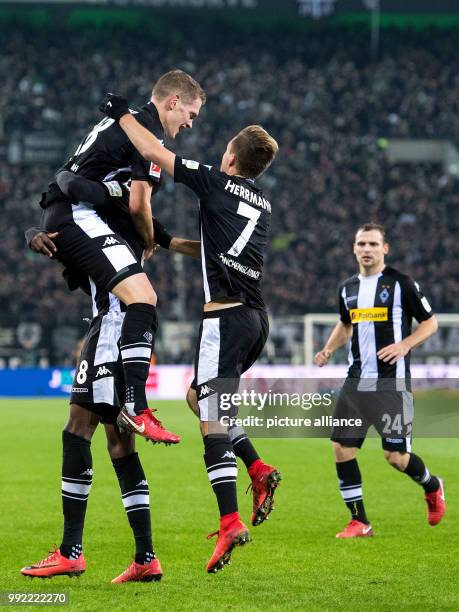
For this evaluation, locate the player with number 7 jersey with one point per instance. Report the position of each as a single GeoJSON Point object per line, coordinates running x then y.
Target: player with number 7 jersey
{"type": "Point", "coordinates": [234, 217]}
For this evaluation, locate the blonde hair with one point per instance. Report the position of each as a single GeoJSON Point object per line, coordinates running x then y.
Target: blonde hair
{"type": "Point", "coordinates": [178, 82]}
{"type": "Point", "coordinates": [255, 149]}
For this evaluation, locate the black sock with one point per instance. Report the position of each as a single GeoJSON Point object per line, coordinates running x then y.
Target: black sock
{"type": "Point", "coordinates": [76, 485]}
{"type": "Point", "coordinates": [136, 500]}
{"type": "Point", "coordinates": [136, 343]}
{"type": "Point", "coordinates": [350, 485]}
{"type": "Point", "coordinates": [242, 446]}
{"type": "Point", "coordinates": [221, 467]}
{"type": "Point", "coordinates": [418, 472]}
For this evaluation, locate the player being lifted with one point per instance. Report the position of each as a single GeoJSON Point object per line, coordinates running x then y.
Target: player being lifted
{"type": "Point", "coordinates": [85, 241]}
{"type": "Point", "coordinates": [376, 311]}
{"type": "Point", "coordinates": [97, 393]}
{"type": "Point", "coordinates": [234, 225]}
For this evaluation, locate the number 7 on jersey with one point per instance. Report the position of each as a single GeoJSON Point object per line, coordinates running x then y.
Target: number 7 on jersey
{"type": "Point", "coordinates": [252, 214]}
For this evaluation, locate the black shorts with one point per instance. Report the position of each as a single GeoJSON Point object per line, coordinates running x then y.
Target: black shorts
{"type": "Point", "coordinates": [87, 242]}
{"type": "Point", "coordinates": [229, 342]}
{"type": "Point", "coordinates": [391, 413]}
{"type": "Point", "coordinates": [98, 384]}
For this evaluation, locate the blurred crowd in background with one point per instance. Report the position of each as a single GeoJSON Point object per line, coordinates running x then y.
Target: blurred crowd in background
{"type": "Point", "coordinates": [325, 102]}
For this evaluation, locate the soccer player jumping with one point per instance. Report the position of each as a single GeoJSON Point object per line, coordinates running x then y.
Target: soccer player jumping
{"type": "Point", "coordinates": [86, 241]}
{"type": "Point", "coordinates": [376, 310]}
{"type": "Point", "coordinates": [234, 223]}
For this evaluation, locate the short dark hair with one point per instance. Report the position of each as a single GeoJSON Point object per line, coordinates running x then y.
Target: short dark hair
{"type": "Point", "coordinates": [178, 81]}
{"type": "Point", "coordinates": [368, 227]}
{"type": "Point", "coordinates": [255, 149]}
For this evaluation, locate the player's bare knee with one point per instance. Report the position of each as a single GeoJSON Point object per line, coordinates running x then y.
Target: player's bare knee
{"type": "Point", "coordinates": [209, 428]}
{"type": "Point", "coordinates": [119, 450]}
{"type": "Point", "coordinates": [81, 422]}
{"type": "Point", "coordinates": [121, 447]}
{"type": "Point", "coordinates": [135, 289]}
{"type": "Point", "coordinates": [343, 453]}
{"type": "Point", "coordinates": [396, 460]}
{"type": "Point", "coordinates": [119, 444]}
{"type": "Point", "coordinates": [192, 401]}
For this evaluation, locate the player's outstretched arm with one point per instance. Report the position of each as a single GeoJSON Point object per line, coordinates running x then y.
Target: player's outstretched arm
{"type": "Point", "coordinates": [340, 335]}
{"type": "Point", "coordinates": [192, 248]}
{"type": "Point", "coordinates": [144, 141]}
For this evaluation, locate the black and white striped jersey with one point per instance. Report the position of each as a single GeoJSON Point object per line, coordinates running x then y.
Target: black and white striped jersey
{"type": "Point", "coordinates": [106, 151]}
{"type": "Point", "coordinates": [234, 225]}
{"type": "Point", "coordinates": [381, 309]}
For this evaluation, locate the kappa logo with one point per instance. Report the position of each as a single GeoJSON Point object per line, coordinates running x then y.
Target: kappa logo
{"type": "Point", "coordinates": [205, 390]}
{"type": "Point", "coordinates": [148, 337]}
{"type": "Point", "coordinates": [229, 455]}
{"type": "Point", "coordinates": [88, 472]}
{"type": "Point", "coordinates": [109, 241]}
{"type": "Point", "coordinates": [102, 371]}
{"type": "Point", "coordinates": [142, 483]}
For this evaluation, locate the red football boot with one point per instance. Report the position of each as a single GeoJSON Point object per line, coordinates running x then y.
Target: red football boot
{"type": "Point", "coordinates": [265, 479]}
{"type": "Point", "coordinates": [355, 529]}
{"type": "Point", "coordinates": [136, 572]}
{"type": "Point", "coordinates": [232, 533]}
{"type": "Point", "coordinates": [436, 504]}
{"type": "Point", "coordinates": [56, 564]}
{"type": "Point", "coordinates": [147, 426]}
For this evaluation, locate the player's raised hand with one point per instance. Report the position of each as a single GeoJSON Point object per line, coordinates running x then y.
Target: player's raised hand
{"type": "Point", "coordinates": [322, 358]}
{"type": "Point", "coordinates": [114, 106]}
{"type": "Point", "coordinates": [43, 243]}
{"type": "Point", "coordinates": [393, 352]}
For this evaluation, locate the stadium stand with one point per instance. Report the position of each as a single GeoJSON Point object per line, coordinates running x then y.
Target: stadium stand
{"type": "Point", "coordinates": [326, 103]}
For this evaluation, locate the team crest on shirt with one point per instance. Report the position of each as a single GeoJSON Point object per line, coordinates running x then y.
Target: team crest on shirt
{"type": "Point", "coordinates": [384, 295]}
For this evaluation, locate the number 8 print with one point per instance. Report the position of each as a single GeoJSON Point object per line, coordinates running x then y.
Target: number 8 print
{"type": "Point", "coordinates": [81, 375]}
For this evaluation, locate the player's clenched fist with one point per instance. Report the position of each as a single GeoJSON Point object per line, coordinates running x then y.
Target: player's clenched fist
{"type": "Point", "coordinates": [114, 106]}
{"type": "Point", "coordinates": [322, 358]}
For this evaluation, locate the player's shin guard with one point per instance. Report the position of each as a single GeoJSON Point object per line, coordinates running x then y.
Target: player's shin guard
{"type": "Point", "coordinates": [76, 486]}
{"type": "Point", "coordinates": [418, 472]}
{"type": "Point", "coordinates": [136, 343]}
{"type": "Point", "coordinates": [221, 467]}
{"type": "Point", "coordinates": [350, 485]}
{"type": "Point", "coordinates": [136, 500]}
{"type": "Point", "coordinates": [242, 446]}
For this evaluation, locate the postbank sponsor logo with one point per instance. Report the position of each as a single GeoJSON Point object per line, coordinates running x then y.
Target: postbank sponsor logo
{"type": "Point", "coordinates": [359, 315]}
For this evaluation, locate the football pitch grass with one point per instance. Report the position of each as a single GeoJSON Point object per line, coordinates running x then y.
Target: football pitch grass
{"type": "Point", "coordinates": [294, 561]}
